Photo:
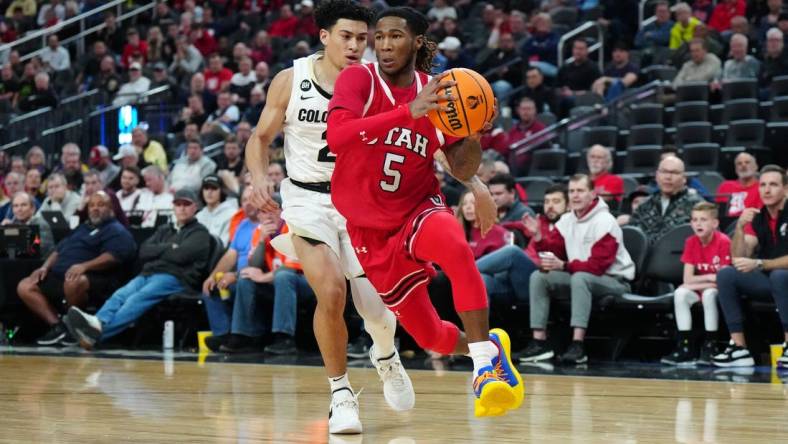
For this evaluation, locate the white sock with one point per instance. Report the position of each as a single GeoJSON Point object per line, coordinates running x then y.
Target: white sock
{"type": "Point", "coordinates": [339, 382]}
{"type": "Point", "coordinates": [482, 354]}
{"type": "Point", "coordinates": [382, 334]}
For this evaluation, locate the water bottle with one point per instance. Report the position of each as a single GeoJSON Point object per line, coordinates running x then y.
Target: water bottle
{"type": "Point", "coordinates": [168, 336]}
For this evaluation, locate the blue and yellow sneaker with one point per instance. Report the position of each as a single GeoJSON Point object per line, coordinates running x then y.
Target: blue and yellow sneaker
{"type": "Point", "coordinates": [494, 395]}
{"type": "Point", "coordinates": [504, 366]}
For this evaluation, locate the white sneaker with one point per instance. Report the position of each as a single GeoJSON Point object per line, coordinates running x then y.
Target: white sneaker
{"type": "Point", "coordinates": [397, 387]}
{"type": "Point", "coordinates": [343, 413]}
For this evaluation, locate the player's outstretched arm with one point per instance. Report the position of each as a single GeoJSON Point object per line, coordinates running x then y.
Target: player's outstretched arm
{"type": "Point", "coordinates": [486, 209]}
{"type": "Point", "coordinates": [271, 121]}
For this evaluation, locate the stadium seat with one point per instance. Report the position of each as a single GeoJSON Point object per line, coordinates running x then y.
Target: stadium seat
{"type": "Point", "coordinates": [642, 159]}
{"type": "Point", "coordinates": [739, 89]}
{"type": "Point", "coordinates": [648, 134]}
{"type": "Point", "coordinates": [740, 109]}
{"type": "Point", "coordinates": [564, 15]}
{"type": "Point", "coordinates": [701, 157]}
{"type": "Point", "coordinates": [660, 72]}
{"type": "Point", "coordinates": [549, 162]}
{"type": "Point", "coordinates": [779, 109]}
{"type": "Point", "coordinates": [547, 118]}
{"type": "Point", "coordinates": [747, 133]}
{"type": "Point", "coordinates": [711, 180]}
{"type": "Point", "coordinates": [535, 187]}
{"type": "Point", "coordinates": [602, 135]}
{"type": "Point", "coordinates": [692, 91]}
{"type": "Point", "coordinates": [636, 243]}
{"type": "Point", "coordinates": [647, 113]}
{"type": "Point", "coordinates": [696, 111]}
{"type": "Point", "coordinates": [630, 185]}
{"type": "Point", "coordinates": [779, 86]}
{"type": "Point", "coordinates": [694, 132]}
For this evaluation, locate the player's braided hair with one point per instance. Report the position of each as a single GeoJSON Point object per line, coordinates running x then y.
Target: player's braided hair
{"type": "Point", "coordinates": [418, 25]}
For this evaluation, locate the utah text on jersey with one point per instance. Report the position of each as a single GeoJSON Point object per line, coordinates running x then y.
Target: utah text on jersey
{"type": "Point", "coordinates": [402, 138]}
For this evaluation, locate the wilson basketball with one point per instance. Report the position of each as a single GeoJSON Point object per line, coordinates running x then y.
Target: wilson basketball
{"type": "Point", "coordinates": [473, 108]}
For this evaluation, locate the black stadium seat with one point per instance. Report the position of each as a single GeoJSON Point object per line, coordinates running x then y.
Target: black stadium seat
{"type": "Point", "coordinates": [746, 133]}
{"type": "Point", "coordinates": [779, 86]}
{"type": "Point", "coordinates": [601, 135]}
{"type": "Point", "coordinates": [647, 113]}
{"type": "Point", "coordinates": [694, 132]}
{"type": "Point", "coordinates": [692, 91]}
{"type": "Point", "coordinates": [549, 162]}
{"type": "Point", "coordinates": [642, 159]}
{"type": "Point", "coordinates": [780, 109]}
{"type": "Point", "coordinates": [696, 111]}
{"type": "Point", "coordinates": [701, 157]}
{"type": "Point", "coordinates": [534, 187]}
{"type": "Point", "coordinates": [648, 134]}
{"type": "Point", "coordinates": [739, 89]}
{"type": "Point", "coordinates": [740, 109]}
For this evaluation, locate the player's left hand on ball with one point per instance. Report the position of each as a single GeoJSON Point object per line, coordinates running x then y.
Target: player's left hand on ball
{"type": "Point", "coordinates": [430, 95]}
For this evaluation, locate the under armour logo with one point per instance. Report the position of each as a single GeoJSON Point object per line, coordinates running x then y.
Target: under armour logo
{"type": "Point", "coordinates": [360, 250]}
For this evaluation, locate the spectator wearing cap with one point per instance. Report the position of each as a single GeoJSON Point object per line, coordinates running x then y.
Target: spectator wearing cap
{"type": "Point", "coordinates": [540, 48]}
{"type": "Point", "coordinates": [129, 192]}
{"type": "Point", "coordinates": [150, 151]}
{"type": "Point", "coordinates": [59, 197]}
{"type": "Point", "coordinates": [656, 33]}
{"type": "Point", "coordinates": [42, 95]}
{"type": "Point", "coordinates": [155, 200]}
{"type": "Point", "coordinates": [218, 209]}
{"type": "Point", "coordinates": [451, 48]}
{"type": "Point", "coordinates": [441, 10]}
{"type": "Point", "coordinates": [137, 85]}
{"type": "Point", "coordinates": [84, 267]}
{"type": "Point", "coordinates": [619, 74]}
{"type": "Point", "coordinates": [217, 77]}
{"type": "Point", "coordinates": [127, 156]}
{"type": "Point", "coordinates": [23, 212]}
{"type": "Point", "coordinates": [134, 47]}
{"type": "Point", "coordinates": [191, 169]}
{"type": "Point", "coordinates": [175, 259]}
{"type": "Point", "coordinates": [102, 162]}
{"type": "Point", "coordinates": [55, 57]}
{"type": "Point", "coordinates": [684, 29]}
{"type": "Point", "coordinates": [162, 78]}
{"type": "Point", "coordinates": [286, 26]}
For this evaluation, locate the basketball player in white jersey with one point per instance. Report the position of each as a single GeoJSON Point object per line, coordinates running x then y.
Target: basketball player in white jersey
{"type": "Point", "coordinates": [297, 103]}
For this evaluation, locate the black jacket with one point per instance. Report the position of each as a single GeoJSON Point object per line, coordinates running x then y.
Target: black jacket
{"type": "Point", "coordinates": [183, 253]}
{"type": "Point", "coordinates": [771, 246]}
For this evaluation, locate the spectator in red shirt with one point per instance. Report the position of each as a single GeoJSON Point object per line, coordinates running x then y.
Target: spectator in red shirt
{"type": "Point", "coordinates": [203, 40]}
{"type": "Point", "coordinates": [724, 12]}
{"type": "Point", "coordinates": [496, 238]}
{"type": "Point", "coordinates": [525, 127]}
{"type": "Point", "coordinates": [286, 25]}
{"type": "Point", "coordinates": [306, 20]}
{"type": "Point", "coordinates": [607, 186]}
{"type": "Point", "coordinates": [261, 48]}
{"type": "Point", "coordinates": [134, 46]}
{"type": "Point", "coordinates": [217, 77]}
{"type": "Point", "coordinates": [705, 253]}
{"type": "Point", "coordinates": [743, 192]}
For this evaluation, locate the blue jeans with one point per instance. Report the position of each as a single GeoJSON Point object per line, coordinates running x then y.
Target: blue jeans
{"type": "Point", "coordinates": [548, 69]}
{"type": "Point", "coordinates": [242, 314]}
{"type": "Point", "coordinates": [733, 284]}
{"type": "Point", "coordinates": [132, 300]}
{"type": "Point", "coordinates": [289, 287]}
{"type": "Point", "coordinates": [506, 273]}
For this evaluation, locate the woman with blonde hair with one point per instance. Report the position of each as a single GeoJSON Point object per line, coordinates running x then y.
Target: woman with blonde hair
{"type": "Point", "coordinates": [466, 215]}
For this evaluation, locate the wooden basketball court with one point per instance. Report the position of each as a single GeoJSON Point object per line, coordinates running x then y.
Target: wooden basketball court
{"type": "Point", "coordinates": [87, 399]}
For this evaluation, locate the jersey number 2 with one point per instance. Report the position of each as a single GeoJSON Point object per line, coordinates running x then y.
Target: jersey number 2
{"type": "Point", "coordinates": [389, 171]}
{"type": "Point", "coordinates": [325, 155]}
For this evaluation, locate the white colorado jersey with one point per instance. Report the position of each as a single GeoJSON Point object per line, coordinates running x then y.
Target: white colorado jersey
{"type": "Point", "coordinates": [306, 152]}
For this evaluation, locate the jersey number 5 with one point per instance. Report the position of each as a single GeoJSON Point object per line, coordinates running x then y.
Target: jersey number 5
{"type": "Point", "coordinates": [325, 155]}
{"type": "Point", "coordinates": [389, 171]}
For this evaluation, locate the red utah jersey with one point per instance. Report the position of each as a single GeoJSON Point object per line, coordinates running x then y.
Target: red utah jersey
{"type": "Point", "coordinates": [707, 259]}
{"type": "Point", "coordinates": [385, 159]}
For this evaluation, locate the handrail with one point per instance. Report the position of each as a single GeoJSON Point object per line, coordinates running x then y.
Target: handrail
{"type": "Point", "coordinates": [79, 96]}
{"type": "Point", "coordinates": [506, 64]}
{"type": "Point", "coordinates": [146, 94]}
{"type": "Point", "coordinates": [86, 32]}
{"type": "Point", "coordinates": [63, 127]}
{"type": "Point", "coordinates": [14, 144]}
{"type": "Point", "coordinates": [552, 131]}
{"type": "Point", "coordinates": [598, 46]}
{"type": "Point", "coordinates": [30, 115]}
{"type": "Point", "coordinates": [46, 32]}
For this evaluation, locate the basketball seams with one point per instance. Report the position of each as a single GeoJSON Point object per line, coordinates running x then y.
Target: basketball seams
{"type": "Point", "coordinates": [484, 93]}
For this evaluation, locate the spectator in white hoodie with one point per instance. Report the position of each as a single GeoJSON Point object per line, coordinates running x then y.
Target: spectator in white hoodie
{"type": "Point", "coordinates": [218, 209]}
{"type": "Point", "coordinates": [586, 259]}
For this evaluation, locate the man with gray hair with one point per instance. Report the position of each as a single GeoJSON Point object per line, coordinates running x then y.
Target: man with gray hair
{"type": "Point", "coordinates": [59, 197]}
{"type": "Point", "coordinates": [14, 182]}
{"type": "Point", "coordinates": [154, 200]}
{"type": "Point", "coordinates": [600, 162]}
{"type": "Point", "coordinates": [23, 207]}
{"type": "Point", "coordinates": [702, 66]}
{"type": "Point", "coordinates": [775, 59]}
{"type": "Point", "coordinates": [740, 65]}
{"type": "Point", "coordinates": [43, 95]}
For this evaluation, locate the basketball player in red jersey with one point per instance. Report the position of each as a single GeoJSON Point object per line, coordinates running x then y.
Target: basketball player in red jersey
{"type": "Point", "coordinates": [384, 185]}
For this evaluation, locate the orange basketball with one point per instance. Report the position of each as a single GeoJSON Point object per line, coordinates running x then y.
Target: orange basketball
{"type": "Point", "coordinates": [473, 108]}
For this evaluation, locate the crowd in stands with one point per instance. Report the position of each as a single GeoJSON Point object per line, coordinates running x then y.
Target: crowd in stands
{"type": "Point", "coordinates": [218, 58]}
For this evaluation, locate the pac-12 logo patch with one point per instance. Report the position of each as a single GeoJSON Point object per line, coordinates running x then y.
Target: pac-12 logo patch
{"type": "Point", "coordinates": [306, 85]}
